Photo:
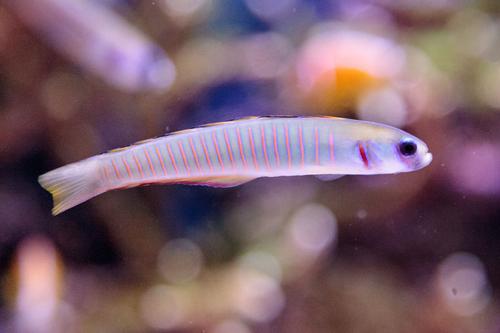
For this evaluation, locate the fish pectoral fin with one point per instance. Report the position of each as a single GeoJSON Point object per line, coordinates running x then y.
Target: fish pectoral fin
{"type": "Point", "coordinates": [327, 177]}
{"type": "Point", "coordinates": [223, 181]}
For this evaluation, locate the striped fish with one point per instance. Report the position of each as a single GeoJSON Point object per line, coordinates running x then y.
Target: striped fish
{"type": "Point", "coordinates": [232, 153]}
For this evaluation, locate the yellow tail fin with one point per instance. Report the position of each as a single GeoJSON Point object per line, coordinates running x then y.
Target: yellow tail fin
{"type": "Point", "coordinates": [72, 184]}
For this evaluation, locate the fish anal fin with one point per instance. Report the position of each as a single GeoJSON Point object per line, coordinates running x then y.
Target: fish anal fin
{"type": "Point", "coordinates": [220, 181]}
{"type": "Point", "coordinates": [328, 177]}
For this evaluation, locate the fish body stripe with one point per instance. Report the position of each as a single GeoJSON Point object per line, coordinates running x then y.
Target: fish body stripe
{"type": "Point", "coordinates": [184, 159]}
{"type": "Point", "coordinates": [195, 154]}
{"type": "Point", "coordinates": [228, 147]}
{"type": "Point", "coordinates": [160, 159]}
{"type": "Point", "coordinates": [252, 147]}
{"type": "Point", "coordinates": [127, 167]}
{"type": "Point", "coordinates": [287, 145]}
{"type": "Point", "coordinates": [172, 159]}
{"type": "Point", "coordinates": [264, 150]}
{"type": "Point", "coordinates": [331, 147]}
{"type": "Point", "coordinates": [217, 149]}
{"type": "Point", "coordinates": [150, 164]}
{"type": "Point", "coordinates": [240, 146]}
{"type": "Point", "coordinates": [205, 150]}
{"type": "Point", "coordinates": [139, 166]}
{"type": "Point", "coordinates": [301, 144]}
{"type": "Point", "coordinates": [117, 172]}
{"type": "Point", "coordinates": [105, 172]}
{"type": "Point", "coordinates": [363, 154]}
{"type": "Point", "coordinates": [275, 146]}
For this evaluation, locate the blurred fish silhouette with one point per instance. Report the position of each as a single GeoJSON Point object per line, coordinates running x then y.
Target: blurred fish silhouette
{"type": "Point", "coordinates": [100, 41]}
{"type": "Point", "coordinates": [235, 152]}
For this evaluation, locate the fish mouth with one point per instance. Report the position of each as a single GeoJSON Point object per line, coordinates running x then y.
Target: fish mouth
{"type": "Point", "coordinates": [426, 160]}
{"type": "Point", "coordinates": [423, 161]}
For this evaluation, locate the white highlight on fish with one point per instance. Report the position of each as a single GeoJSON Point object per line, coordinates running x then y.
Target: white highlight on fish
{"type": "Point", "coordinates": [100, 41]}
{"type": "Point", "coordinates": [231, 153]}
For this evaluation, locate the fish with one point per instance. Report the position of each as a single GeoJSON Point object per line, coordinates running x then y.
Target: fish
{"type": "Point", "coordinates": [100, 42]}
{"type": "Point", "coordinates": [231, 153]}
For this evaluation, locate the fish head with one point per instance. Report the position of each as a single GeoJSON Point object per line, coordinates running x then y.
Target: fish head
{"type": "Point", "coordinates": [397, 151]}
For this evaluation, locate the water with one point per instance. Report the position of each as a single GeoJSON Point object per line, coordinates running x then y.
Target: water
{"type": "Point", "coordinates": [414, 252]}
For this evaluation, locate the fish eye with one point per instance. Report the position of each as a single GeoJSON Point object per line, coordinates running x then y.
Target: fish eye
{"type": "Point", "coordinates": [407, 147]}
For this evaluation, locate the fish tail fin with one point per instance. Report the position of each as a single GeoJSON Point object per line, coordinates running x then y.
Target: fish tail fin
{"type": "Point", "coordinates": [72, 184]}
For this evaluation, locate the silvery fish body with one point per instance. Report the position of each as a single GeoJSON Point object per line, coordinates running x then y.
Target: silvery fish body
{"type": "Point", "coordinates": [100, 41]}
{"type": "Point", "coordinates": [231, 153]}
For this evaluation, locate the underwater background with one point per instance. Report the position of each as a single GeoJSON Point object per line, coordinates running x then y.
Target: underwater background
{"type": "Point", "coordinates": [415, 252]}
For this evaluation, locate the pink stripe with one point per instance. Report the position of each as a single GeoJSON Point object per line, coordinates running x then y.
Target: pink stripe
{"type": "Point", "coordinates": [216, 144]}
{"type": "Point", "coordinates": [276, 152]}
{"type": "Point", "coordinates": [316, 144]}
{"type": "Point", "coordinates": [160, 158]}
{"type": "Point", "coordinates": [363, 155]}
{"type": "Point", "coordinates": [139, 166]}
{"type": "Point", "coordinates": [118, 176]}
{"type": "Point", "coordinates": [184, 159]}
{"type": "Point", "coordinates": [287, 143]}
{"type": "Point", "coordinates": [264, 150]}
{"type": "Point", "coordinates": [172, 159]}
{"type": "Point", "coordinates": [301, 141]}
{"type": "Point", "coordinates": [206, 152]}
{"type": "Point", "coordinates": [106, 172]}
{"type": "Point", "coordinates": [250, 137]}
{"type": "Point", "coordinates": [102, 173]}
{"type": "Point", "coordinates": [127, 167]}
{"type": "Point", "coordinates": [194, 154]}
{"type": "Point", "coordinates": [153, 172]}
{"type": "Point", "coordinates": [228, 146]}
{"type": "Point", "coordinates": [330, 143]}
{"type": "Point", "coordinates": [240, 145]}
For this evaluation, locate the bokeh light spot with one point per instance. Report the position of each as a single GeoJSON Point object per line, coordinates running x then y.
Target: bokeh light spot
{"type": "Point", "coordinates": [313, 227]}
{"type": "Point", "coordinates": [463, 284]}
{"type": "Point", "coordinates": [383, 105]}
{"type": "Point", "coordinates": [257, 296]}
{"type": "Point", "coordinates": [161, 307]}
{"type": "Point", "coordinates": [180, 261]}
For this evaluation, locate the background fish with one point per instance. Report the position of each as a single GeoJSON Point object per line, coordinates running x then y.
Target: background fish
{"type": "Point", "coordinates": [231, 153]}
{"type": "Point", "coordinates": [100, 41]}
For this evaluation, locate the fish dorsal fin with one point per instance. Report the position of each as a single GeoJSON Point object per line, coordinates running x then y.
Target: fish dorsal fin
{"type": "Point", "coordinates": [244, 119]}
{"type": "Point", "coordinates": [221, 181]}
{"type": "Point", "coordinates": [233, 121]}
{"type": "Point", "coordinates": [329, 177]}
{"type": "Point", "coordinates": [132, 145]}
